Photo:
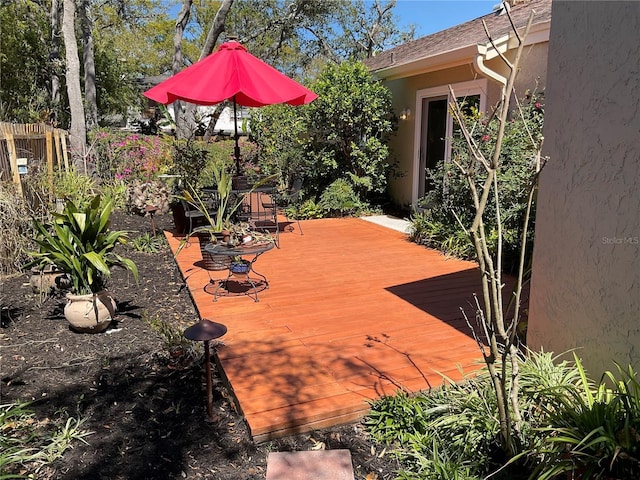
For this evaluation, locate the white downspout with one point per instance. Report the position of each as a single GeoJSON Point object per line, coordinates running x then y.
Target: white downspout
{"type": "Point", "coordinates": [478, 63]}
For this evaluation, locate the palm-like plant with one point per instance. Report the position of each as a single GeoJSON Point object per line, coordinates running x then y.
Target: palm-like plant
{"type": "Point", "coordinates": [78, 242]}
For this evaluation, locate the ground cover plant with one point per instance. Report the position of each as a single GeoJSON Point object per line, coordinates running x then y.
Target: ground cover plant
{"type": "Point", "coordinates": [572, 425]}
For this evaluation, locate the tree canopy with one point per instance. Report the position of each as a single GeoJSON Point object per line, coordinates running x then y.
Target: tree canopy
{"type": "Point", "coordinates": [133, 39]}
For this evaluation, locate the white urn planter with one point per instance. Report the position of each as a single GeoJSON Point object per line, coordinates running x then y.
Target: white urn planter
{"type": "Point", "coordinates": [90, 313]}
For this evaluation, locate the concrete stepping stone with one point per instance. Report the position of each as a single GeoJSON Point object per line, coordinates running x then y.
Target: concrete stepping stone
{"type": "Point", "coordinates": [310, 465]}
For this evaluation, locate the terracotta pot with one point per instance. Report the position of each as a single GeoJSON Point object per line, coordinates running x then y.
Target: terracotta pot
{"type": "Point", "coordinates": [90, 313]}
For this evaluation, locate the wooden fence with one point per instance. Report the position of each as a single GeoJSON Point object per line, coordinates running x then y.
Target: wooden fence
{"type": "Point", "coordinates": [31, 146]}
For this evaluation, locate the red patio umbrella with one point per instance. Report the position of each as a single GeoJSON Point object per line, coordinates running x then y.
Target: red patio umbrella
{"type": "Point", "coordinates": [231, 73]}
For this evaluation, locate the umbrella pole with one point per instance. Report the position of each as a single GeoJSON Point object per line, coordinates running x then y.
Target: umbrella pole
{"type": "Point", "coordinates": [236, 150]}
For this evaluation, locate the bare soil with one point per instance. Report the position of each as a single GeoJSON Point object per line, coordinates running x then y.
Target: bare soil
{"type": "Point", "coordinates": [144, 403]}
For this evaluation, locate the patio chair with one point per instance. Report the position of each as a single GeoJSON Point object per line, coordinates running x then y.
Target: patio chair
{"type": "Point", "coordinates": [289, 199]}
{"type": "Point", "coordinates": [197, 217]}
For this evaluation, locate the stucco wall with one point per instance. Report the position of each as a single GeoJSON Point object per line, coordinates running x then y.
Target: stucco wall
{"type": "Point", "coordinates": [533, 66]}
{"type": "Point", "coordinates": [585, 289]}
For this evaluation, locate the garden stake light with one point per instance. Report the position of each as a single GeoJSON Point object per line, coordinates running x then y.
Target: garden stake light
{"type": "Point", "coordinates": [206, 330]}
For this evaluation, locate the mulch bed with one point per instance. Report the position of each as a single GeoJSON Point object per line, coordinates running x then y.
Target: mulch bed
{"type": "Point", "coordinates": [145, 406]}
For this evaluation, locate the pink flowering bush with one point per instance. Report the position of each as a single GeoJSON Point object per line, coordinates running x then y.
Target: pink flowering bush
{"type": "Point", "coordinates": [131, 163]}
{"type": "Point", "coordinates": [130, 156]}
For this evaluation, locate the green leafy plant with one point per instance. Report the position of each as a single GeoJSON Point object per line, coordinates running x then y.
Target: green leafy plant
{"type": "Point", "coordinates": [593, 429]}
{"type": "Point", "coordinates": [343, 135]}
{"type": "Point", "coordinates": [453, 432]}
{"type": "Point", "coordinates": [148, 243]}
{"type": "Point", "coordinates": [78, 242]}
{"type": "Point", "coordinates": [348, 130]}
{"type": "Point", "coordinates": [24, 446]}
{"type": "Point", "coordinates": [227, 204]}
{"type": "Point", "coordinates": [71, 185]}
{"type": "Point", "coordinates": [308, 209]}
{"type": "Point", "coordinates": [339, 199]}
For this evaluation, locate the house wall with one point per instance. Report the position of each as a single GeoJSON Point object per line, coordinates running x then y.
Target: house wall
{"type": "Point", "coordinates": [404, 96]}
{"type": "Point", "coordinates": [402, 145]}
{"type": "Point", "coordinates": [533, 69]}
{"type": "Point", "coordinates": [585, 288]}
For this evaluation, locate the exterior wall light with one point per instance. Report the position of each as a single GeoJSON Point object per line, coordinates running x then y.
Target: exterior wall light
{"type": "Point", "coordinates": [404, 114]}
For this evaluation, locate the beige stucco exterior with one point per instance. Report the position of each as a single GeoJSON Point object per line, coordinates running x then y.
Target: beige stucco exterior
{"type": "Point", "coordinates": [404, 91]}
{"type": "Point", "coordinates": [454, 68]}
{"type": "Point", "coordinates": [585, 288]}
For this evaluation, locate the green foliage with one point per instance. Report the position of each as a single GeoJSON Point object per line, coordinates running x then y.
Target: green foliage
{"type": "Point", "coordinates": [307, 210]}
{"type": "Point", "coordinates": [279, 132]}
{"type": "Point", "coordinates": [73, 186]}
{"type": "Point", "coordinates": [592, 428]}
{"type": "Point", "coordinates": [148, 243]}
{"type": "Point", "coordinates": [342, 135]}
{"type": "Point", "coordinates": [348, 130]}
{"type": "Point", "coordinates": [117, 190]}
{"type": "Point", "coordinates": [339, 199]}
{"type": "Point", "coordinates": [425, 230]}
{"type": "Point", "coordinates": [189, 159]}
{"type": "Point", "coordinates": [26, 69]}
{"type": "Point", "coordinates": [78, 242]}
{"type": "Point", "coordinates": [25, 445]}
{"type": "Point", "coordinates": [16, 230]}
{"type": "Point", "coordinates": [569, 423]}
{"type": "Point", "coordinates": [450, 202]}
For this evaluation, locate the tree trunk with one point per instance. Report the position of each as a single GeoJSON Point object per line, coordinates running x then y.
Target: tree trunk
{"type": "Point", "coordinates": [183, 126]}
{"type": "Point", "coordinates": [216, 28]}
{"type": "Point", "coordinates": [90, 97]}
{"type": "Point", "coordinates": [54, 21]}
{"type": "Point", "coordinates": [78, 130]}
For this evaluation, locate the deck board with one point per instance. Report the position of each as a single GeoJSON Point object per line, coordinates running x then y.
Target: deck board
{"type": "Point", "coordinates": [353, 311]}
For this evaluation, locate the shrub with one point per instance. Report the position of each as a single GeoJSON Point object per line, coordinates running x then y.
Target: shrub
{"type": "Point", "coordinates": [342, 135]}
{"type": "Point", "coordinates": [16, 231]}
{"type": "Point", "coordinates": [453, 432]}
{"type": "Point", "coordinates": [349, 126]}
{"type": "Point", "coordinates": [124, 156]}
{"type": "Point", "coordinates": [339, 199]}
{"type": "Point", "coordinates": [450, 201]}
{"type": "Point", "coordinates": [308, 209]}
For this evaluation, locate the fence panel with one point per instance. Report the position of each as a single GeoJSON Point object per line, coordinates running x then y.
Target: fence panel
{"type": "Point", "coordinates": [31, 146]}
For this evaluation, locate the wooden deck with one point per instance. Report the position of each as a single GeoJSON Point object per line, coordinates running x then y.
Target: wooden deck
{"type": "Point", "coordinates": [353, 311]}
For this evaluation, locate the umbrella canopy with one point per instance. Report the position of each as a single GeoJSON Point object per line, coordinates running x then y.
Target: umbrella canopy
{"type": "Point", "coordinates": [231, 73]}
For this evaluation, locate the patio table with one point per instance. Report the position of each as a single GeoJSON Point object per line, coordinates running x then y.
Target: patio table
{"type": "Point", "coordinates": [252, 250]}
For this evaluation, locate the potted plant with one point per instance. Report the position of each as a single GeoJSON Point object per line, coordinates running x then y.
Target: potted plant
{"type": "Point", "coordinates": [78, 243]}
{"type": "Point", "coordinates": [218, 221]}
{"type": "Point", "coordinates": [240, 266]}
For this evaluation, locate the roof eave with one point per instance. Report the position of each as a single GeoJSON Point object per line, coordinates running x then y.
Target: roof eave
{"type": "Point", "coordinates": [450, 59]}
{"type": "Point", "coordinates": [539, 33]}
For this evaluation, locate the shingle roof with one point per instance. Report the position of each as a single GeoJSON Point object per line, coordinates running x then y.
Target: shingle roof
{"type": "Point", "coordinates": [463, 35]}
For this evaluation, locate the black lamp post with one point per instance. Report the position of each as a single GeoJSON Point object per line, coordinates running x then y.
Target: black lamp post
{"type": "Point", "coordinates": [206, 330]}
